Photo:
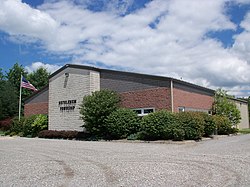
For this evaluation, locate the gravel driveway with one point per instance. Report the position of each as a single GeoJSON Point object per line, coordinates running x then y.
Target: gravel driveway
{"type": "Point", "coordinates": [41, 162]}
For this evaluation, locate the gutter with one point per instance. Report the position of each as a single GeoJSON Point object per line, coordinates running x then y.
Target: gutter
{"type": "Point", "coordinates": [172, 95]}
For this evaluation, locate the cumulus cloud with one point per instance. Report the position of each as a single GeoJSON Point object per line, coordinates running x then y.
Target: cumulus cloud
{"type": "Point", "coordinates": [164, 38]}
{"type": "Point", "coordinates": [241, 46]}
{"type": "Point", "coordinates": [17, 18]}
{"type": "Point", "coordinates": [36, 65]}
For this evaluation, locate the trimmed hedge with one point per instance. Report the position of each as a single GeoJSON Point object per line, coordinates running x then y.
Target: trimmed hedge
{"type": "Point", "coordinates": [158, 125]}
{"type": "Point", "coordinates": [192, 123]}
{"type": "Point", "coordinates": [161, 125]}
{"type": "Point", "coordinates": [122, 123]}
{"type": "Point", "coordinates": [209, 126]}
{"type": "Point", "coordinates": [53, 134]}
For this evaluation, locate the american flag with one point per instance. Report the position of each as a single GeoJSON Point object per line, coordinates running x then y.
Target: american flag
{"type": "Point", "coordinates": [27, 84]}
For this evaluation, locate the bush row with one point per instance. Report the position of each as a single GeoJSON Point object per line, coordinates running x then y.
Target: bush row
{"type": "Point", "coordinates": [28, 126]}
{"type": "Point", "coordinates": [161, 125]}
{"type": "Point", "coordinates": [165, 125]}
{"type": "Point", "coordinates": [54, 134]}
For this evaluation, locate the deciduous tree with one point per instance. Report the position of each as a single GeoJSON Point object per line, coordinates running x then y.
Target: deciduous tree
{"type": "Point", "coordinates": [39, 78]}
{"type": "Point", "coordinates": [224, 106]}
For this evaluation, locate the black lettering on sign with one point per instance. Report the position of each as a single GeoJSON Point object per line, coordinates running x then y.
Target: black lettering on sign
{"type": "Point", "coordinates": [67, 105]}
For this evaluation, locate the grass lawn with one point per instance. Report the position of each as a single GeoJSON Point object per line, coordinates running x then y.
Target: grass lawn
{"type": "Point", "coordinates": [1, 133]}
{"type": "Point", "coordinates": [244, 131]}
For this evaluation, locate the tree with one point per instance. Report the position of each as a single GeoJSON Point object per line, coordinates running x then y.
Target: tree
{"type": "Point", "coordinates": [10, 86]}
{"type": "Point", "coordinates": [14, 76]}
{"type": "Point", "coordinates": [96, 108]}
{"type": "Point", "coordinates": [8, 100]}
{"type": "Point", "coordinates": [223, 106]}
{"type": "Point", "coordinates": [13, 79]}
{"type": "Point", "coordinates": [1, 75]}
{"type": "Point", "coordinates": [39, 78]}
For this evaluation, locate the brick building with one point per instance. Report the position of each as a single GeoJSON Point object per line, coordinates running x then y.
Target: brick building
{"type": "Point", "coordinates": [61, 99]}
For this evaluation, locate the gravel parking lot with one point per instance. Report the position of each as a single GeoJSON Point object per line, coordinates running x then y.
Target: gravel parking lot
{"type": "Point", "coordinates": [41, 162]}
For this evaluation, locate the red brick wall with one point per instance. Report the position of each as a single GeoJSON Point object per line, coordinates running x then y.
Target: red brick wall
{"type": "Point", "coordinates": [192, 100]}
{"type": "Point", "coordinates": [35, 108]}
{"type": "Point", "coordinates": [159, 98]}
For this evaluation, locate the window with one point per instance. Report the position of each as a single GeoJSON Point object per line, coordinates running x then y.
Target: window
{"type": "Point", "coordinates": [149, 110]}
{"type": "Point", "coordinates": [188, 109]}
{"type": "Point", "coordinates": [181, 109]}
{"type": "Point", "coordinates": [143, 111]}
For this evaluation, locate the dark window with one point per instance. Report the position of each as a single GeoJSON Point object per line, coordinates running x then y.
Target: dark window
{"type": "Point", "coordinates": [147, 111]}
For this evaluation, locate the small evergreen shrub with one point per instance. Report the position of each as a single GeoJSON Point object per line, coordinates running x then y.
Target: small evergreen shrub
{"type": "Point", "coordinates": [54, 134]}
{"type": "Point", "coordinates": [84, 136]}
{"type": "Point", "coordinates": [122, 123]}
{"type": "Point", "coordinates": [158, 125]}
{"type": "Point", "coordinates": [192, 123]}
{"type": "Point", "coordinates": [57, 134]}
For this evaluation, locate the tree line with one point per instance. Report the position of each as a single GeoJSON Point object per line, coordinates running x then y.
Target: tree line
{"type": "Point", "coordinates": [10, 88]}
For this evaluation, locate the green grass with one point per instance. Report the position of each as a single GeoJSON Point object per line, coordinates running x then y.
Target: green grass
{"type": "Point", "coordinates": [1, 133]}
{"type": "Point", "coordinates": [244, 131]}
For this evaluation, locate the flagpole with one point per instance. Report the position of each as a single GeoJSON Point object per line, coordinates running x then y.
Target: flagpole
{"type": "Point", "coordinates": [20, 99]}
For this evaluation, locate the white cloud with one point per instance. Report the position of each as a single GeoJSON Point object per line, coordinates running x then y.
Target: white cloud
{"type": "Point", "coordinates": [17, 18]}
{"type": "Point", "coordinates": [241, 46]}
{"type": "Point", "coordinates": [36, 65]}
{"type": "Point", "coordinates": [166, 37]}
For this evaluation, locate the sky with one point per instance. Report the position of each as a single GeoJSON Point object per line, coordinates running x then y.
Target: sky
{"type": "Point", "coordinates": [203, 42]}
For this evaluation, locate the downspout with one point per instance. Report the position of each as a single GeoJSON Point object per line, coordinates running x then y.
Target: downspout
{"type": "Point", "coordinates": [172, 95]}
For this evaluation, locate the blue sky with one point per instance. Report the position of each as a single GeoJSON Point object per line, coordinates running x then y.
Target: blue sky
{"type": "Point", "coordinates": [206, 43]}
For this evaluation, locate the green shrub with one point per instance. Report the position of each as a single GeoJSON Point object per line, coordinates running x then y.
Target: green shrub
{"type": "Point", "coordinates": [141, 135]}
{"type": "Point", "coordinates": [158, 125]}
{"type": "Point", "coordinates": [178, 134]}
{"type": "Point", "coordinates": [13, 133]}
{"type": "Point", "coordinates": [122, 123]}
{"type": "Point", "coordinates": [27, 125]}
{"type": "Point", "coordinates": [133, 137]}
{"type": "Point", "coordinates": [96, 108]}
{"type": "Point", "coordinates": [234, 130]}
{"type": "Point", "coordinates": [16, 125]}
{"type": "Point", "coordinates": [40, 123]}
{"type": "Point", "coordinates": [223, 125]}
{"type": "Point", "coordinates": [209, 126]}
{"type": "Point", "coordinates": [192, 123]}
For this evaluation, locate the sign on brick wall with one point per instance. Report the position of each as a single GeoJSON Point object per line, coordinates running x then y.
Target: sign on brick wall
{"type": "Point", "coordinates": [67, 105]}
